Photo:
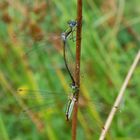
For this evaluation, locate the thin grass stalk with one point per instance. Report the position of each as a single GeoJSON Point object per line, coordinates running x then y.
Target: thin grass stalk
{"type": "Point", "coordinates": [119, 97]}
{"type": "Point", "coordinates": [77, 65]}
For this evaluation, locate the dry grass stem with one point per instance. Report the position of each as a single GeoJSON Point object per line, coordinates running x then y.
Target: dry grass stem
{"type": "Point", "coordinates": [119, 97]}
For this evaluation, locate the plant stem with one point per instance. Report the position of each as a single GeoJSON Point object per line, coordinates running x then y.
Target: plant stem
{"type": "Point", "coordinates": [77, 65]}
{"type": "Point", "coordinates": [119, 97]}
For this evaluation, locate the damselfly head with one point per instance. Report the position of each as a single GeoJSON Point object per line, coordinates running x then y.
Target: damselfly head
{"type": "Point", "coordinates": [63, 36]}
{"type": "Point", "coordinates": [72, 23]}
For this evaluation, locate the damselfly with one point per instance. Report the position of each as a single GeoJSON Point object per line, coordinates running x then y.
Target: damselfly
{"type": "Point", "coordinates": [64, 36]}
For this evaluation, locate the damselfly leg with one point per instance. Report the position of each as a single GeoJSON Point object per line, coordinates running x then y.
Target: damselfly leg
{"type": "Point", "coordinates": [72, 24]}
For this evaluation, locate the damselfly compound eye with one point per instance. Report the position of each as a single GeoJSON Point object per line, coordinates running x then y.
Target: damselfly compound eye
{"type": "Point", "coordinates": [72, 23]}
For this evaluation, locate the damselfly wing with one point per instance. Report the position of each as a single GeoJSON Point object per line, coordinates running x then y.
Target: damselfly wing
{"type": "Point", "coordinates": [43, 99]}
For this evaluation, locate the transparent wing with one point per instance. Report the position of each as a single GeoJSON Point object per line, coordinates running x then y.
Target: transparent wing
{"type": "Point", "coordinates": [41, 45]}
{"type": "Point", "coordinates": [39, 100]}
{"type": "Point", "coordinates": [70, 55]}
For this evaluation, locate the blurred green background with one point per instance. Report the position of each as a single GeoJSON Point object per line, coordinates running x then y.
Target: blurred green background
{"type": "Point", "coordinates": [31, 58]}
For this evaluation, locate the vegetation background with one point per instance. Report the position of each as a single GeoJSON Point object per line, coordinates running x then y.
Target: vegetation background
{"type": "Point", "coordinates": [31, 58]}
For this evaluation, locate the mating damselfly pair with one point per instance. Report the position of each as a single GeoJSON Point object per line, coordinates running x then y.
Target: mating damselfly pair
{"type": "Point", "coordinates": [58, 97]}
{"type": "Point", "coordinates": [68, 34]}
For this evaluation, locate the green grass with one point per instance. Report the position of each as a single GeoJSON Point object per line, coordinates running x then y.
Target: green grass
{"type": "Point", "coordinates": [108, 49]}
